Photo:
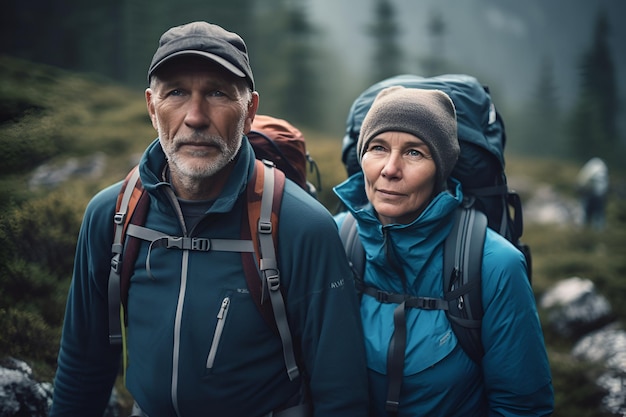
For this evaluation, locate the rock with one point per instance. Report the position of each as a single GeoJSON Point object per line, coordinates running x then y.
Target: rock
{"type": "Point", "coordinates": [546, 206]}
{"type": "Point", "coordinates": [575, 308]}
{"type": "Point", "coordinates": [607, 347]}
{"type": "Point", "coordinates": [50, 175]}
{"type": "Point", "coordinates": [20, 395]}
{"type": "Point", "coordinates": [615, 400]}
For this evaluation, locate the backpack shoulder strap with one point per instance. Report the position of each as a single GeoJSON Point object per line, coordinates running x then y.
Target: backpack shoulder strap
{"type": "Point", "coordinates": [354, 249]}
{"type": "Point", "coordinates": [265, 192]}
{"type": "Point", "coordinates": [130, 197]}
{"type": "Point", "coordinates": [462, 277]}
{"type": "Point", "coordinates": [260, 225]}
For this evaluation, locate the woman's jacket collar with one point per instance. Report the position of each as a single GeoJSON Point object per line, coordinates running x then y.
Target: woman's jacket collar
{"type": "Point", "coordinates": [352, 193]}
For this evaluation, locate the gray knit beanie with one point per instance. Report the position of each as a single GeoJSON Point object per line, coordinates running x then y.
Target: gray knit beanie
{"type": "Point", "coordinates": [427, 114]}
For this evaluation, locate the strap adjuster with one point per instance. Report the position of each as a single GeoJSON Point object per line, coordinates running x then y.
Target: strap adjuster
{"type": "Point", "coordinates": [119, 218]}
{"type": "Point", "coordinates": [265, 227]}
{"type": "Point", "coordinates": [116, 264]}
{"type": "Point", "coordinates": [383, 296]}
{"type": "Point", "coordinates": [392, 406]}
{"type": "Point", "coordinates": [273, 280]}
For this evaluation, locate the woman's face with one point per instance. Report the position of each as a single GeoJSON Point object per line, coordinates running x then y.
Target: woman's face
{"type": "Point", "coordinates": [399, 176]}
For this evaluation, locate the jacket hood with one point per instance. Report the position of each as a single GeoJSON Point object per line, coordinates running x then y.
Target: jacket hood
{"type": "Point", "coordinates": [412, 244]}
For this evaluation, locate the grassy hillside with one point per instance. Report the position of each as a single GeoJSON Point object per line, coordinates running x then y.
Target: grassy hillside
{"type": "Point", "coordinates": [50, 116]}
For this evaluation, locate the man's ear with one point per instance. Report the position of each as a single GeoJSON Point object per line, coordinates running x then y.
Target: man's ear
{"type": "Point", "coordinates": [150, 105]}
{"type": "Point", "coordinates": [253, 106]}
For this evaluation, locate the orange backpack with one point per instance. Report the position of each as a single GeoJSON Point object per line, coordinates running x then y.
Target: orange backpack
{"type": "Point", "coordinates": [279, 141]}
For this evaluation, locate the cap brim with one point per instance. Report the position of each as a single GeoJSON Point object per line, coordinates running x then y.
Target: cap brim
{"type": "Point", "coordinates": [215, 58]}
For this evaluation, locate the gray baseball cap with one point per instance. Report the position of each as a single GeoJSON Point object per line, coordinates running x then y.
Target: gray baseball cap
{"type": "Point", "coordinates": [205, 40]}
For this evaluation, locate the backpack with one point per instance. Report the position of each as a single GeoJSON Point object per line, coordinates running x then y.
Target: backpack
{"type": "Point", "coordinates": [482, 139]}
{"type": "Point", "coordinates": [487, 203]}
{"type": "Point", "coordinates": [259, 233]}
{"type": "Point", "coordinates": [282, 143]}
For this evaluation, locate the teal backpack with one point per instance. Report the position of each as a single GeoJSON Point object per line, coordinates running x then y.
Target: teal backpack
{"type": "Point", "coordinates": [488, 202]}
{"type": "Point", "coordinates": [482, 139]}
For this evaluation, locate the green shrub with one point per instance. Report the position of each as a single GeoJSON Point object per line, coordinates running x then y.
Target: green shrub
{"type": "Point", "coordinates": [37, 245]}
{"type": "Point", "coordinates": [26, 336]}
{"type": "Point", "coordinates": [44, 231]}
{"type": "Point", "coordinates": [576, 393]}
{"type": "Point", "coordinates": [28, 142]}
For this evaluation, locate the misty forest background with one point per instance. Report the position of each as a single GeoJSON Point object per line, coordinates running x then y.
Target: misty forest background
{"type": "Point", "coordinates": [72, 75]}
{"type": "Point", "coordinates": [299, 76]}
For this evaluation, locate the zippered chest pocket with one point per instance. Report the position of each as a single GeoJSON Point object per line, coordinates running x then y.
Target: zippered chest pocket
{"type": "Point", "coordinates": [219, 329]}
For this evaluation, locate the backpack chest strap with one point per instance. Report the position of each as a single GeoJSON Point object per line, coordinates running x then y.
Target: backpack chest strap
{"type": "Point", "coordinates": [424, 303]}
{"type": "Point", "coordinates": [162, 240]}
{"type": "Point", "coordinates": [397, 345]}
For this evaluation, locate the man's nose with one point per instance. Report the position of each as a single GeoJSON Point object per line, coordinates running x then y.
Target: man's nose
{"type": "Point", "coordinates": [197, 114]}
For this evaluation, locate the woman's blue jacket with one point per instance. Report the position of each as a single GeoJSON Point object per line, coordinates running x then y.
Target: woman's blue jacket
{"type": "Point", "coordinates": [439, 378]}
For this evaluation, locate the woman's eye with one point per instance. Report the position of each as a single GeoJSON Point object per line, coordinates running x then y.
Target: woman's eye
{"type": "Point", "coordinates": [414, 153]}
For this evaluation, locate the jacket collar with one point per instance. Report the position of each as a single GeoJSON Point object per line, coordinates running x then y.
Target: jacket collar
{"type": "Point", "coordinates": [153, 164]}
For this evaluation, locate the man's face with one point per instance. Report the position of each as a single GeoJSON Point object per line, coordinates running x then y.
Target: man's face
{"type": "Point", "coordinates": [200, 112]}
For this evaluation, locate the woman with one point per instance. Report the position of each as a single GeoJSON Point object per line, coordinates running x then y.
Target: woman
{"type": "Point", "coordinates": [407, 148]}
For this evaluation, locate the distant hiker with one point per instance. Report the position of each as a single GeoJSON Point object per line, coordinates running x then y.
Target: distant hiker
{"type": "Point", "coordinates": [593, 188]}
{"type": "Point", "coordinates": [196, 340]}
{"type": "Point", "coordinates": [407, 148]}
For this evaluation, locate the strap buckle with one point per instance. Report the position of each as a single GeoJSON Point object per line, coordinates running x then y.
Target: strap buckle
{"type": "Point", "coordinates": [383, 296]}
{"type": "Point", "coordinates": [427, 303]}
{"type": "Point", "coordinates": [185, 243]}
{"type": "Point", "coordinates": [200, 244]}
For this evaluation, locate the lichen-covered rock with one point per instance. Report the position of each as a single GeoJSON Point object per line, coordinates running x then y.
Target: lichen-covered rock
{"type": "Point", "coordinates": [574, 308]}
{"type": "Point", "coordinates": [20, 395]}
{"type": "Point", "coordinates": [607, 347]}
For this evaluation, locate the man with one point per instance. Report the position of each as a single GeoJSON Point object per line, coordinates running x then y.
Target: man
{"type": "Point", "coordinates": [197, 343]}
{"type": "Point", "coordinates": [593, 188]}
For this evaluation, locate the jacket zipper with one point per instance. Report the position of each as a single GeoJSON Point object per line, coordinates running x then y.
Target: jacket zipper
{"type": "Point", "coordinates": [219, 328]}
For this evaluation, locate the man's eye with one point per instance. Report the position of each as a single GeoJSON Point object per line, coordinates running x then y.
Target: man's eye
{"type": "Point", "coordinates": [414, 153]}
{"type": "Point", "coordinates": [216, 93]}
{"type": "Point", "coordinates": [175, 93]}
{"type": "Point", "coordinates": [376, 148]}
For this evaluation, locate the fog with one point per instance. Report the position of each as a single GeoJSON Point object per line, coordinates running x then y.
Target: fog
{"type": "Point", "coordinates": [503, 42]}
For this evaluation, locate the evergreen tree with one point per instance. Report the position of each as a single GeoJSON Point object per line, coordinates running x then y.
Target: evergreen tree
{"type": "Point", "coordinates": [301, 98]}
{"type": "Point", "coordinates": [434, 63]}
{"type": "Point", "coordinates": [542, 131]}
{"type": "Point", "coordinates": [594, 121]}
{"type": "Point", "coordinates": [387, 56]}
{"type": "Point", "coordinates": [285, 63]}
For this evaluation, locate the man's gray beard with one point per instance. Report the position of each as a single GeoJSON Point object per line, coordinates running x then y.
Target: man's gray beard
{"type": "Point", "coordinates": [225, 157]}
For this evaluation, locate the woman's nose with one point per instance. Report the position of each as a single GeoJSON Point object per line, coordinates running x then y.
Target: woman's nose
{"type": "Point", "coordinates": [392, 167]}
